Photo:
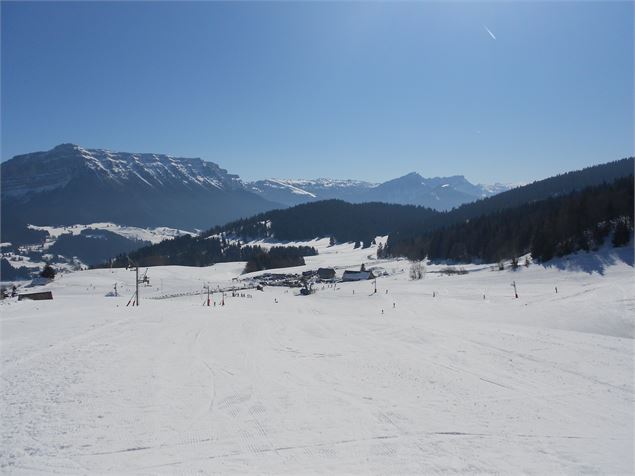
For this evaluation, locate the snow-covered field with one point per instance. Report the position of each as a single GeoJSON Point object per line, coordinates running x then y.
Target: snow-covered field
{"type": "Point", "coordinates": [153, 235]}
{"type": "Point", "coordinates": [458, 382]}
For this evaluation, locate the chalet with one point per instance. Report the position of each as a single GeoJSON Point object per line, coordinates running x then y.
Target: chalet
{"type": "Point", "coordinates": [357, 275]}
{"type": "Point", "coordinates": [326, 273]}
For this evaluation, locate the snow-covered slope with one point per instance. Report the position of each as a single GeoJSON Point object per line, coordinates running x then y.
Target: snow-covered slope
{"type": "Point", "coordinates": [469, 381]}
{"type": "Point", "coordinates": [153, 235]}
{"type": "Point", "coordinates": [295, 191]}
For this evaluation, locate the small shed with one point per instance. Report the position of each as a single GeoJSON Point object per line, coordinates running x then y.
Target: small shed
{"type": "Point", "coordinates": [326, 273]}
{"type": "Point", "coordinates": [357, 275]}
{"type": "Point", "coordinates": [42, 296]}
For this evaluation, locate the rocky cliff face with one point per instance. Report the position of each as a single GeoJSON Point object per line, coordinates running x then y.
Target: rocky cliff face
{"type": "Point", "coordinates": [69, 184]}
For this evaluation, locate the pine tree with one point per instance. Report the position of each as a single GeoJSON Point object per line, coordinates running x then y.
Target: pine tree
{"type": "Point", "coordinates": [622, 234]}
{"type": "Point", "coordinates": [48, 272]}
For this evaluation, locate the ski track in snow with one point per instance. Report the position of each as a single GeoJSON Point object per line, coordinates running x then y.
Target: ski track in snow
{"type": "Point", "coordinates": [325, 383]}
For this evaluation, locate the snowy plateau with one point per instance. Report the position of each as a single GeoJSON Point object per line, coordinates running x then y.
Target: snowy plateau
{"type": "Point", "coordinates": [447, 374]}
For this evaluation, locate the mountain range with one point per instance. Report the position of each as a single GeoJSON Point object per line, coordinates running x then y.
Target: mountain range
{"type": "Point", "coordinates": [439, 193]}
{"type": "Point", "coordinates": [70, 184]}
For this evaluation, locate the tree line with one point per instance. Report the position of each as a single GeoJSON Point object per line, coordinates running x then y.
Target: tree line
{"type": "Point", "coordinates": [556, 226]}
{"type": "Point", "coordinates": [551, 187]}
{"type": "Point", "coordinates": [340, 220]}
{"type": "Point", "coordinates": [204, 251]}
{"type": "Point", "coordinates": [279, 257]}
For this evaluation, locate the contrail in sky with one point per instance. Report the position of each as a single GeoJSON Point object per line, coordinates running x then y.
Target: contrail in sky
{"type": "Point", "coordinates": [490, 33]}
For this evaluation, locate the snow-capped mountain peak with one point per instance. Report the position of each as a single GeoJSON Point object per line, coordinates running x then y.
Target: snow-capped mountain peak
{"type": "Point", "coordinates": [45, 171]}
{"type": "Point", "coordinates": [288, 185]}
{"type": "Point", "coordinates": [441, 193]}
{"type": "Point", "coordinates": [295, 191]}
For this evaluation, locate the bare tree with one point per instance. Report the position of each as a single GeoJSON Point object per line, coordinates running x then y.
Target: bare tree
{"type": "Point", "coordinates": [417, 270]}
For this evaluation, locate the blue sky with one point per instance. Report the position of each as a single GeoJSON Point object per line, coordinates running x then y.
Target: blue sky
{"type": "Point", "coordinates": [346, 90]}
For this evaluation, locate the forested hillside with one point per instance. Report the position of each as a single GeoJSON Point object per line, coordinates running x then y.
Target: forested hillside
{"type": "Point", "coordinates": [204, 251]}
{"type": "Point", "coordinates": [362, 222]}
{"type": "Point", "coordinates": [94, 246]}
{"type": "Point", "coordinates": [341, 220]}
{"type": "Point", "coordinates": [556, 226]}
{"type": "Point", "coordinates": [540, 190]}
{"type": "Point", "coordinates": [331, 218]}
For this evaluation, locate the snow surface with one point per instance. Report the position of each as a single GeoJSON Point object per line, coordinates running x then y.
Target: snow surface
{"type": "Point", "coordinates": [153, 235]}
{"type": "Point", "coordinates": [281, 184]}
{"type": "Point", "coordinates": [325, 383]}
{"type": "Point", "coordinates": [326, 183]}
{"type": "Point", "coordinates": [157, 169]}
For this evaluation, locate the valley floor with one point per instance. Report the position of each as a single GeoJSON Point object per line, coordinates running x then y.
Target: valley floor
{"type": "Point", "coordinates": [456, 383]}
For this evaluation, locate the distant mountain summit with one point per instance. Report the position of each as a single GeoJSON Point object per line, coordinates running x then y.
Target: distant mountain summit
{"type": "Point", "coordinates": [69, 184]}
{"type": "Point", "coordinates": [292, 192]}
{"type": "Point", "coordinates": [439, 193]}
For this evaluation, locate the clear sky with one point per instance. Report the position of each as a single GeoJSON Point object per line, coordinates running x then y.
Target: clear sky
{"type": "Point", "coordinates": [507, 92]}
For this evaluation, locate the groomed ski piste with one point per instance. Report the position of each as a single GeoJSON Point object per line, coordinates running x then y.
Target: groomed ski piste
{"type": "Point", "coordinates": [471, 380]}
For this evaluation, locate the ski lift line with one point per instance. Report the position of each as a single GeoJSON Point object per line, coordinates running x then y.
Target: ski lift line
{"type": "Point", "coordinates": [201, 292]}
